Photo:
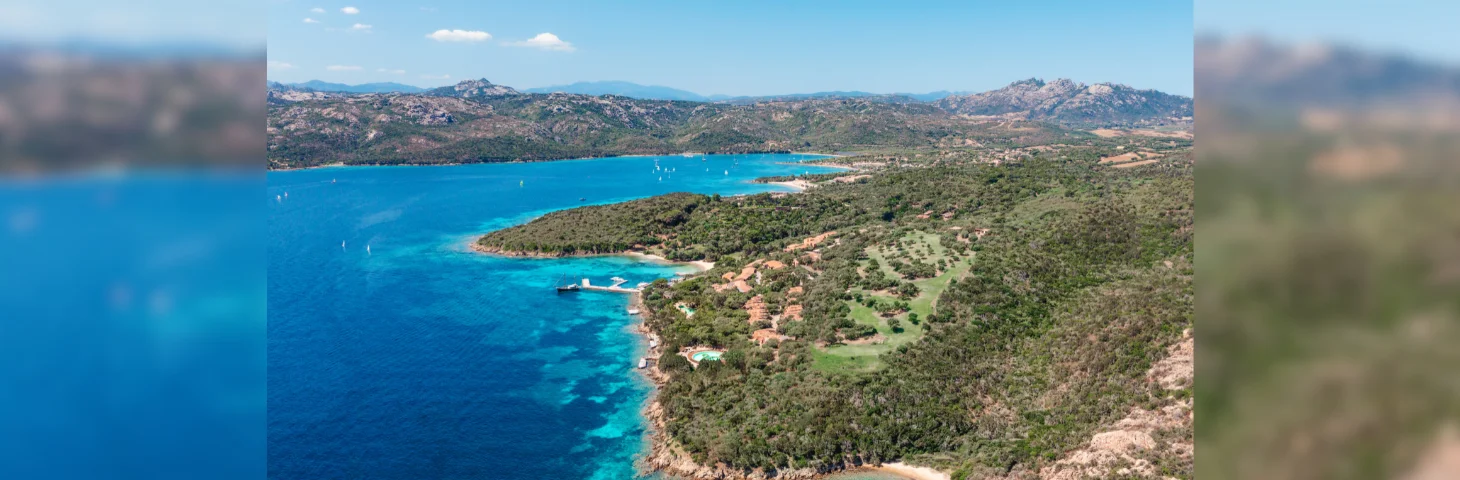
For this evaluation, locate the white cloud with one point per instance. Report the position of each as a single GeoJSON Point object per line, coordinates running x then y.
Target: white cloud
{"type": "Point", "coordinates": [387, 70]}
{"type": "Point", "coordinates": [317, 10]}
{"type": "Point", "coordinates": [343, 68]}
{"type": "Point", "coordinates": [310, 20]}
{"type": "Point", "coordinates": [350, 10]}
{"type": "Point", "coordinates": [275, 64]}
{"type": "Point", "coordinates": [360, 27]}
{"type": "Point", "coordinates": [545, 41]}
{"type": "Point", "coordinates": [436, 77]}
{"type": "Point", "coordinates": [444, 35]}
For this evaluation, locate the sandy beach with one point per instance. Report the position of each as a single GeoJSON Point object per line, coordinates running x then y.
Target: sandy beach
{"type": "Point", "coordinates": [798, 185]}
{"type": "Point", "coordinates": [915, 473]}
{"type": "Point", "coordinates": [698, 264]}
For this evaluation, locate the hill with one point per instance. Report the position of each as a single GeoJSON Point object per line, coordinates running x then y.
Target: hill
{"type": "Point", "coordinates": [654, 92]}
{"type": "Point", "coordinates": [990, 321]}
{"type": "Point", "coordinates": [1255, 72]}
{"type": "Point", "coordinates": [623, 89]}
{"type": "Point", "coordinates": [1068, 102]}
{"type": "Point", "coordinates": [381, 87]}
{"type": "Point", "coordinates": [477, 121]}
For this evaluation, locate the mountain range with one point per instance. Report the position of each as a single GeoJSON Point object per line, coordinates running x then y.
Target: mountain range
{"type": "Point", "coordinates": [1068, 102]}
{"type": "Point", "coordinates": [1262, 74]}
{"type": "Point", "coordinates": [632, 90]}
{"type": "Point", "coordinates": [628, 89]}
{"type": "Point", "coordinates": [381, 87]}
{"type": "Point", "coordinates": [478, 121]}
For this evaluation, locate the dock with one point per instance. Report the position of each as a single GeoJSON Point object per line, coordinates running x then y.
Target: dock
{"type": "Point", "coordinates": [616, 288]}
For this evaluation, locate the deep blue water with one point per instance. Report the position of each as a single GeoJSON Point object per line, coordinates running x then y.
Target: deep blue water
{"type": "Point", "coordinates": [132, 312]}
{"type": "Point", "coordinates": [423, 359]}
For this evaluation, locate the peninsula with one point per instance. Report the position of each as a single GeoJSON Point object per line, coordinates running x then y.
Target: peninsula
{"type": "Point", "coordinates": [964, 312]}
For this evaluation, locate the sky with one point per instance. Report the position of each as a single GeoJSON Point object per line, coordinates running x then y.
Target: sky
{"type": "Point", "coordinates": [1421, 28]}
{"type": "Point", "coordinates": [745, 47]}
{"type": "Point", "coordinates": [212, 24]}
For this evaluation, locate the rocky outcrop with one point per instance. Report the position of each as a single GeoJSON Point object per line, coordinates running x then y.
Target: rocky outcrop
{"type": "Point", "coordinates": [1069, 102]}
{"type": "Point", "coordinates": [474, 88]}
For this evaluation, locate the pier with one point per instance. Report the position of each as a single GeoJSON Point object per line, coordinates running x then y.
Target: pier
{"type": "Point", "coordinates": [611, 288]}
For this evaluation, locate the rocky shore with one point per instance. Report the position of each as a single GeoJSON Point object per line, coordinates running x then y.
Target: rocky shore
{"type": "Point", "coordinates": [701, 265]}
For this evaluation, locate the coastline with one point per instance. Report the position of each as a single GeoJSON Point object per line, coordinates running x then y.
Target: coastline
{"type": "Point", "coordinates": [699, 265]}
{"type": "Point", "coordinates": [663, 454]}
{"type": "Point", "coordinates": [913, 472]}
{"type": "Point", "coordinates": [666, 456]}
{"type": "Point", "coordinates": [796, 185]}
{"type": "Point", "coordinates": [457, 164]}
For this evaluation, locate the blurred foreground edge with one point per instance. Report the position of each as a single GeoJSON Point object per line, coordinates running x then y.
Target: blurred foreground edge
{"type": "Point", "coordinates": [1329, 263]}
{"type": "Point", "coordinates": [132, 277]}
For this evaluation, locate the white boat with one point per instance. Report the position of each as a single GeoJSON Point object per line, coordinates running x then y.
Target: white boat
{"type": "Point", "coordinates": [367, 249]}
{"type": "Point", "coordinates": [727, 172]}
{"type": "Point", "coordinates": [633, 311]}
{"type": "Point", "coordinates": [342, 244]}
{"type": "Point", "coordinates": [643, 362]}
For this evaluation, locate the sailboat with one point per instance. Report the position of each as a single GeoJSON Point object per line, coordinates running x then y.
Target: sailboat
{"type": "Point", "coordinates": [520, 182]}
{"type": "Point", "coordinates": [367, 249]}
{"type": "Point", "coordinates": [342, 244]}
{"type": "Point", "coordinates": [727, 172]}
{"type": "Point", "coordinates": [566, 287]}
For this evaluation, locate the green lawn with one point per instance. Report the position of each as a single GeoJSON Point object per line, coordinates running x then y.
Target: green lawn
{"type": "Point", "coordinates": [851, 358]}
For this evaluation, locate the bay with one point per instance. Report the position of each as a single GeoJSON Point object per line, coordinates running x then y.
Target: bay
{"type": "Point", "coordinates": [420, 358]}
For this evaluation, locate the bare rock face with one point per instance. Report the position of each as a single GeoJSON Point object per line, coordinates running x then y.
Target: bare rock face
{"type": "Point", "coordinates": [1066, 101]}
{"type": "Point", "coordinates": [1178, 368]}
{"type": "Point", "coordinates": [1121, 441]}
{"type": "Point", "coordinates": [474, 88]}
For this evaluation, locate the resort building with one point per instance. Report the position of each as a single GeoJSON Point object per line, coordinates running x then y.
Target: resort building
{"type": "Point", "coordinates": [757, 309]}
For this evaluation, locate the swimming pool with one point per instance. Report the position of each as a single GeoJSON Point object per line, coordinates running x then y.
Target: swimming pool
{"type": "Point", "coordinates": [706, 355]}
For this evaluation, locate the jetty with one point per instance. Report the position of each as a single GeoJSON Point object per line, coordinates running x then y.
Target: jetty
{"type": "Point", "coordinates": [615, 287]}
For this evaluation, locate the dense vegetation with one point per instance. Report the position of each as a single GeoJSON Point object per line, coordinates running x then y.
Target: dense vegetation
{"type": "Point", "coordinates": [427, 128]}
{"type": "Point", "coordinates": [1068, 301]}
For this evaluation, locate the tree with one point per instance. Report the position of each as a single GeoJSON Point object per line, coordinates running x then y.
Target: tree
{"type": "Point", "coordinates": [734, 359]}
{"type": "Point", "coordinates": [895, 324]}
{"type": "Point", "coordinates": [671, 362]}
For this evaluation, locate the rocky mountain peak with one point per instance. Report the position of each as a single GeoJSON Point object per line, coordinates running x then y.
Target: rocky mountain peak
{"type": "Point", "coordinates": [1067, 101]}
{"type": "Point", "coordinates": [474, 88]}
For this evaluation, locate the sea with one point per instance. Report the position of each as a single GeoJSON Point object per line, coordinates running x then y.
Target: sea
{"type": "Point", "coordinates": [397, 352]}
{"type": "Point", "coordinates": [132, 324]}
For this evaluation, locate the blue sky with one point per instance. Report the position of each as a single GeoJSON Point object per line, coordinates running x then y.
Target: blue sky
{"type": "Point", "coordinates": [744, 47]}
{"type": "Point", "coordinates": [1423, 28]}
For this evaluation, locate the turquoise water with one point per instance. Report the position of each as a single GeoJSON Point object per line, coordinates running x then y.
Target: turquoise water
{"type": "Point", "coordinates": [702, 356]}
{"type": "Point", "coordinates": [422, 359]}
